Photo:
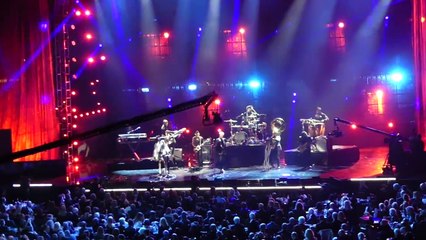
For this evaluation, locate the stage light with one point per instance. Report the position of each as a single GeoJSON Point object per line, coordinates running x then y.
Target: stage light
{"type": "Point", "coordinates": [353, 126]}
{"type": "Point", "coordinates": [166, 35]}
{"type": "Point", "coordinates": [87, 114]}
{"type": "Point", "coordinates": [75, 116]}
{"type": "Point", "coordinates": [74, 59]}
{"type": "Point", "coordinates": [93, 112]}
{"type": "Point", "coordinates": [341, 24]}
{"type": "Point", "coordinates": [396, 77]}
{"type": "Point", "coordinates": [200, 29]}
{"type": "Point", "coordinates": [192, 87]}
{"type": "Point", "coordinates": [73, 93]}
{"type": "Point", "coordinates": [81, 114]}
{"type": "Point", "coordinates": [74, 110]}
{"type": "Point", "coordinates": [74, 126]}
{"type": "Point", "coordinates": [242, 30]}
{"type": "Point", "coordinates": [379, 93]}
{"type": "Point", "coordinates": [294, 94]}
{"type": "Point", "coordinates": [98, 111]}
{"type": "Point", "coordinates": [103, 58]}
{"type": "Point", "coordinates": [103, 109]}
{"type": "Point", "coordinates": [78, 13]}
{"type": "Point", "coordinates": [97, 80]}
{"type": "Point", "coordinates": [254, 83]}
{"type": "Point", "coordinates": [219, 130]}
{"type": "Point", "coordinates": [87, 13]}
{"type": "Point", "coordinates": [65, 135]}
{"type": "Point", "coordinates": [75, 143]}
{"type": "Point", "coordinates": [169, 99]}
{"type": "Point", "coordinates": [387, 18]}
{"type": "Point", "coordinates": [145, 90]}
{"type": "Point", "coordinates": [89, 36]}
{"type": "Point", "coordinates": [72, 27]}
{"type": "Point", "coordinates": [43, 26]}
{"type": "Point", "coordinates": [422, 19]}
{"type": "Point", "coordinates": [76, 168]}
{"type": "Point", "coordinates": [76, 159]}
{"type": "Point", "coordinates": [91, 60]}
{"type": "Point", "coordinates": [100, 45]}
{"type": "Point", "coordinates": [94, 92]}
{"type": "Point", "coordinates": [390, 125]}
{"type": "Point", "coordinates": [294, 101]}
{"type": "Point", "coordinates": [92, 84]}
{"type": "Point", "coordinates": [217, 101]}
{"type": "Point", "coordinates": [98, 103]}
{"type": "Point", "coordinates": [187, 131]}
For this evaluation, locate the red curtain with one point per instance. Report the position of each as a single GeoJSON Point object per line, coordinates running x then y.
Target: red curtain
{"type": "Point", "coordinates": [419, 45]}
{"type": "Point", "coordinates": [27, 93]}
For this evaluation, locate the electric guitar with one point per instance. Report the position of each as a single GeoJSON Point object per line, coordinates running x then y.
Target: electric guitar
{"type": "Point", "coordinates": [198, 147]}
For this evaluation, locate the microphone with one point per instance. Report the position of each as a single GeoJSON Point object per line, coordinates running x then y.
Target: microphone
{"type": "Point", "coordinates": [134, 130]}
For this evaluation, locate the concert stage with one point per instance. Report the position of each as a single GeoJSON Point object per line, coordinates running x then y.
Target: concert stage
{"type": "Point", "coordinates": [140, 172]}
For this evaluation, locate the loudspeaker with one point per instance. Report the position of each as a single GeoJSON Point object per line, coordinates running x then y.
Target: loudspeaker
{"type": "Point", "coordinates": [177, 154]}
{"type": "Point", "coordinates": [5, 142]}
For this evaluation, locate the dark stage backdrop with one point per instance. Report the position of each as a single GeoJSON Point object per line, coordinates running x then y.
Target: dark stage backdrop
{"type": "Point", "coordinates": [27, 93]}
{"type": "Point", "coordinates": [419, 44]}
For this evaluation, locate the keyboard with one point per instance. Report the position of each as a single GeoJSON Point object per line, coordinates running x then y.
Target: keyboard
{"type": "Point", "coordinates": [132, 138]}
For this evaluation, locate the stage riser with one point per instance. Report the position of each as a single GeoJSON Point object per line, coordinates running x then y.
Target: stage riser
{"type": "Point", "coordinates": [340, 156]}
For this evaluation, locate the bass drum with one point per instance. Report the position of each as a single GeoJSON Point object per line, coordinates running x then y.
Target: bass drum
{"type": "Point", "coordinates": [240, 138]}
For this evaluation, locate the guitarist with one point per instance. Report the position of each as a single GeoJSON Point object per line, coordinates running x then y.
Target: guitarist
{"type": "Point", "coordinates": [197, 141]}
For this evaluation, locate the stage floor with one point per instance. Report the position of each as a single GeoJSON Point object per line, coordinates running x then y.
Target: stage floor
{"type": "Point", "coordinates": [369, 165]}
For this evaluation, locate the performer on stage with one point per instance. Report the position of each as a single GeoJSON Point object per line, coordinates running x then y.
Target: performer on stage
{"type": "Point", "coordinates": [304, 149]}
{"type": "Point", "coordinates": [163, 149]}
{"type": "Point", "coordinates": [320, 118]}
{"type": "Point", "coordinates": [273, 145]}
{"type": "Point", "coordinates": [219, 149]}
{"type": "Point", "coordinates": [197, 141]}
{"type": "Point", "coordinates": [165, 127]}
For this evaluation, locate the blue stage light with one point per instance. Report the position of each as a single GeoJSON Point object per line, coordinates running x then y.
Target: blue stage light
{"type": "Point", "coordinates": [397, 77]}
{"type": "Point", "coordinates": [254, 83]}
{"type": "Point", "coordinates": [192, 87]}
{"type": "Point", "coordinates": [145, 90]}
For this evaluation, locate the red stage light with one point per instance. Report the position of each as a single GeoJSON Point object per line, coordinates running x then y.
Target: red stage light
{"type": "Point", "coordinates": [78, 13]}
{"type": "Point", "coordinates": [87, 12]}
{"type": "Point", "coordinates": [341, 24]}
{"type": "Point", "coordinates": [103, 110]}
{"type": "Point", "coordinates": [93, 112]}
{"type": "Point", "coordinates": [75, 143]}
{"type": "Point", "coordinates": [90, 60]}
{"type": "Point", "coordinates": [74, 59]}
{"type": "Point", "coordinates": [353, 126]}
{"type": "Point", "coordinates": [76, 159]}
{"type": "Point", "coordinates": [422, 19]}
{"type": "Point", "coordinates": [98, 111]}
{"type": "Point", "coordinates": [73, 93]}
{"type": "Point", "coordinates": [75, 116]}
{"type": "Point", "coordinates": [219, 130]}
{"type": "Point", "coordinates": [89, 36]}
{"type": "Point", "coordinates": [187, 131]}
{"type": "Point", "coordinates": [87, 114]}
{"type": "Point", "coordinates": [103, 58]}
{"type": "Point", "coordinates": [74, 110]}
{"type": "Point", "coordinates": [76, 168]}
{"type": "Point", "coordinates": [166, 35]}
{"type": "Point", "coordinates": [242, 30]}
{"type": "Point", "coordinates": [73, 43]}
{"type": "Point", "coordinates": [94, 93]}
{"type": "Point", "coordinates": [74, 126]}
{"type": "Point", "coordinates": [390, 124]}
{"type": "Point", "coordinates": [217, 101]}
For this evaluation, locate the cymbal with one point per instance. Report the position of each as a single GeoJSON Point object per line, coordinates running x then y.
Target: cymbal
{"type": "Point", "coordinates": [230, 121]}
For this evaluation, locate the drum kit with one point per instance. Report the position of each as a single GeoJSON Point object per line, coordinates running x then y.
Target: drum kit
{"type": "Point", "coordinates": [313, 127]}
{"type": "Point", "coordinates": [250, 131]}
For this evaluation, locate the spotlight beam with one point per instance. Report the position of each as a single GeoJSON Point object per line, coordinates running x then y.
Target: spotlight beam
{"type": "Point", "coordinates": [205, 100]}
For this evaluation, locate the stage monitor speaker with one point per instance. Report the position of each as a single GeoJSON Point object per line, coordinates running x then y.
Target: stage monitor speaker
{"type": "Point", "coordinates": [177, 154]}
{"type": "Point", "coordinates": [5, 143]}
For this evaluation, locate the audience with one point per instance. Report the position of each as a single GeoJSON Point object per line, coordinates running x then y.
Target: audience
{"type": "Point", "coordinates": [165, 215]}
